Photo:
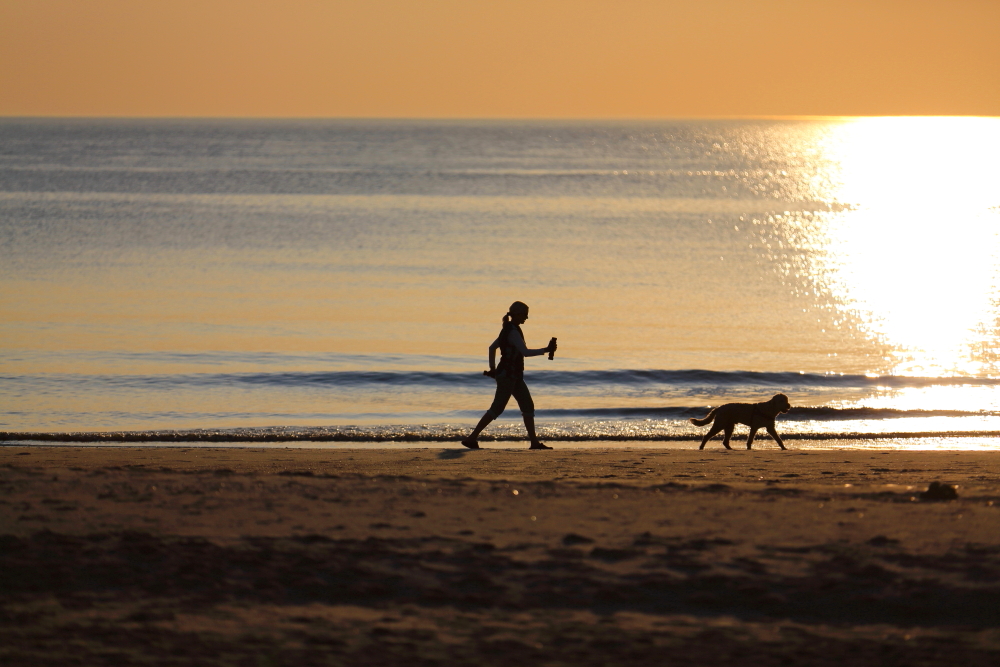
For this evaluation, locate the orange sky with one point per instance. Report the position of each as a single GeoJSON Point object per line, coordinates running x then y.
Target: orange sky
{"type": "Point", "coordinates": [499, 58]}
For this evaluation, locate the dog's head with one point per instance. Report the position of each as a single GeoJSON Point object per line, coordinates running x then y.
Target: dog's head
{"type": "Point", "coordinates": [780, 402]}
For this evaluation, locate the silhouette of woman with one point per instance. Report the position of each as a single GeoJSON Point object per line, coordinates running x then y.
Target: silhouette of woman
{"type": "Point", "coordinates": [510, 375]}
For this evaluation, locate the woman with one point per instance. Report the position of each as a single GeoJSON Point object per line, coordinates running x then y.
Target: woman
{"type": "Point", "coordinates": [510, 375]}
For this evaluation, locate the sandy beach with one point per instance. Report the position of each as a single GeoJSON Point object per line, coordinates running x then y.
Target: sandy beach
{"type": "Point", "coordinates": [211, 556]}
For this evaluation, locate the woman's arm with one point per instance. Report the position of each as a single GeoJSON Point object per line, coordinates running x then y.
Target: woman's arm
{"type": "Point", "coordinates": [518, 343]}
{"type": "Point", "coordinates": [493, 354]}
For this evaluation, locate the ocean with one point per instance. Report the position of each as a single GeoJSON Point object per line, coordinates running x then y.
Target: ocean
{"type": "Point", "coordinates": [341, 280]}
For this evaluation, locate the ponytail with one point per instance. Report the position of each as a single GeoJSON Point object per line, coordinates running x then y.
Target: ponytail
{"type": "Point", "coordinates": [518, 307]}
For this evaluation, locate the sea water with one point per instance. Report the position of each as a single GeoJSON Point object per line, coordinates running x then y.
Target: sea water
{"type": "Point", "coordinates": [343, 279]}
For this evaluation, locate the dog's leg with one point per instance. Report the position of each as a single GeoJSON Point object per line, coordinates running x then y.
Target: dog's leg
{"type": "Point", "coordinates": [750, 437]}
{"type": "Point", "coordinates": [777, 438]}
{"type": "Point", "coordinates": [711, 432]}
{"type": "Point", "coordinates": [729, 434]}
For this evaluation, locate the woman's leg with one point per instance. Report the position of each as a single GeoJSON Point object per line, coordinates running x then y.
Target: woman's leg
{"type": "Point", "coordinates": [504, 390]}
{"type": "Point", "coordinates": [529, 426]}
{"type": "Point", "coordinates": [523, 398]}
{"type": "Point", "coordinates": [483, 423]}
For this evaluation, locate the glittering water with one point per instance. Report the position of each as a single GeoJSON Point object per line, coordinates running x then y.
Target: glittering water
{"type": "Point", "coordinates": [345, 277]}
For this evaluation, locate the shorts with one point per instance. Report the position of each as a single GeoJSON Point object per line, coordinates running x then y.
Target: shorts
{"type": "Point", "coordinates": [507, 387]}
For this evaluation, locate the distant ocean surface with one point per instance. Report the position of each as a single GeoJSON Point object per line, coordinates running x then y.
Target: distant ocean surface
{"type": "Point", "coordinates": [341, 280]}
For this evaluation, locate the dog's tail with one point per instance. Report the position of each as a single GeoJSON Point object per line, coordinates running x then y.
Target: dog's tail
{"type": "Point", "coordinates": [706, 419]}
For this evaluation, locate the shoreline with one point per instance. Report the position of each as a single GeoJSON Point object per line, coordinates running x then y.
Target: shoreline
{"type": "Point", "coordinates": [288, 434]}
{"type": "Point", "coordinates": [222, 555]}
{"type": "Point", "coordinates": [891, 442]}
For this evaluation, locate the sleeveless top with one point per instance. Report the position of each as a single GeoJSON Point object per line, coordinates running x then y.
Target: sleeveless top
{"type": "Point", "coordinates": [511, 364]}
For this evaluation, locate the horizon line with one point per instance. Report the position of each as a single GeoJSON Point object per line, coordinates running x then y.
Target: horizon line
{"type": "Point", "coordinates": [808, 117]}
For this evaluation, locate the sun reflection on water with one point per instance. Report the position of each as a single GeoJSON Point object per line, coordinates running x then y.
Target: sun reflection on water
{"type": "Point", "coordinates": [915, 254]}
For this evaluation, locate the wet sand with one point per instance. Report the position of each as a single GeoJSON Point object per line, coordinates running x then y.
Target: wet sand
{"type": "Point", "coordinates": [210, 556]}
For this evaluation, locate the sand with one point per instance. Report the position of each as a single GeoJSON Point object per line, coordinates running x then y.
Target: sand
{"type": "Point", "coordinates": [226, 556]}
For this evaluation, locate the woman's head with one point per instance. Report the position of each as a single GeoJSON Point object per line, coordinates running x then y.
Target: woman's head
{"type": "Point", "coordinates": [517, 313]}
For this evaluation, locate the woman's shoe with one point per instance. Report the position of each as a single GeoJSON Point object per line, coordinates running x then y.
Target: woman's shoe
{"type": "Point", "coordinates": [472, 443]}
{"type": "Point", "coordinates": [538, 445]}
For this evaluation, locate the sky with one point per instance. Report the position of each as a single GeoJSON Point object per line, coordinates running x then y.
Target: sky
{"type": "Point", "coordinates": [499, 58]}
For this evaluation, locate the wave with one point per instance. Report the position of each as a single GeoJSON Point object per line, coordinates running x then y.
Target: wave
{"type": "Point", "coordinates": [798, 414]}
{"type": "Point", "coordinates": [777, 380]}
{"type": "Point", "coordinates": [715, 380]}
{"type": "Point", "coordinates": [403, 434]}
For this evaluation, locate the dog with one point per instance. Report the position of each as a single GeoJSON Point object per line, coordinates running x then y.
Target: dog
{"type": "Point", "coordinates": [754, 415]}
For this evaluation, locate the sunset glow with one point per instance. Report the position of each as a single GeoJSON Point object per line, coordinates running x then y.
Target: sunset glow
{"type": "Point", "coordinates": [514, 59]}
